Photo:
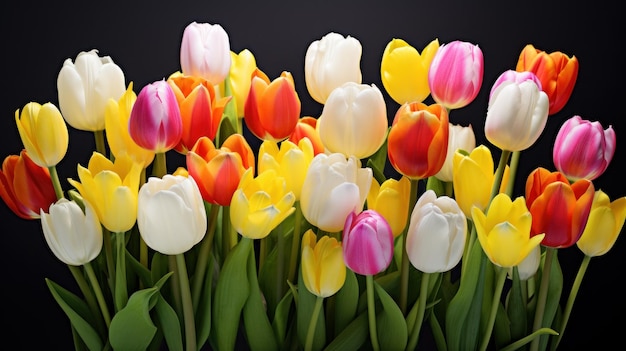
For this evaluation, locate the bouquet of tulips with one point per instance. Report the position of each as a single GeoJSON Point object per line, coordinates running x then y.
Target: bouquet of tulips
{"type": "Point", "coordinates": [341, 231]}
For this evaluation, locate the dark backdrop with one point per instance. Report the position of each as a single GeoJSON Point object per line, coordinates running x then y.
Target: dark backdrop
{"type": "Point", "coordinates": [143, 38]}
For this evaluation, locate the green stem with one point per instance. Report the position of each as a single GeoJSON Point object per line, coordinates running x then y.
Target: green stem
{"type": "Point", "coordinates": [175, 287]}
{"type": "Point", "coordinates": [203, 255]}
{"type": "Point", "coordinates": [56, 183]}
{"type": "Point", "coordinates": [108, 255]}
{"type": "Point", "coordinates": [159, 165]}
{"type": "Point", "coordinates": [501, 278]}
{"type": "Point", "coordinates": [404, 265]}
{"type": "Point", "coordinates": [185, 293]}
{"type": "Point", "coordinates": [572, 297]}
{"type": "Point", "coordinates": [421, 309]}
{"type": "Point", "coordinates": [87, 292]}
{"type": "Point", "coordinates": [99, 296]}
{"type": "Point", "coordinates": [295, 243]}
{"type": "Point", "coordinates": [121, 290]}
{"type": "Point", "coordinates": [512, 171]}
{"type": "Point", "coordinates": [143, 247]}
{"type": "Point", "coordinates": [497, 177]}
{"type": "Point", "coordinates": [100, 145]}
{"type": "Point", "coordinates": [371, 312]}
{"type": "Point", "coordinates": [226, 227]}
{"type": "Point", "coordinates": [543, 294]}
{"type": "Point", "coordinates": [308, 345]}
{"type": "Point", "coordinates": [468, 247]}
{"type": "Point", "coordinates": [438, 335]}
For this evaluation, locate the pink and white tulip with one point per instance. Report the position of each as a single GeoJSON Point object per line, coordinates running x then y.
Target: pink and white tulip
{"type": "Point", "coordinates": [367, 242]}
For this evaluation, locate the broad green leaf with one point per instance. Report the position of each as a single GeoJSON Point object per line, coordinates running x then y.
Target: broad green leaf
{"type": "Point", "coordinates": [306, 303]}
{"type": "Point", "coordinates": [346, 302]}
{"type": "Point", "coordinates": [555, 288]}
{"type": "Point", "coordinates": [131, 327]}
{"type": "Point", "coordinates": [353, 336]}
{"type": "Point", "coordinates": [516, 308]}
{"type": "Point", "coordinates": [280, 323]}
{"type": "Point", "coordinates": [169, 325]}
{"type": "Point", "coordinates": [203, 312]}
{"type": "Point", "coordinates": [390, 323]}
{"type": "Point", "coordinates": [142, 272]}
{"type": "Point", "coordinates": [225, 130]}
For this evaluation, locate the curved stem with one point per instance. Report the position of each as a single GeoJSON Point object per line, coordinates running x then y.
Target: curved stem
{"type": "Point", "coordinates": [121, 290]}
{"type": "Point", "coordinates": [98, 291]}
{"type": "Point", "coordinates": [371, 312]}
{"type": "Point", "coordinates": [100, 145]}
{"type": "Point", "coordinates": [295, 243]}
{"type": "Point", "coordinates": [404, 265]}
{"type": "Point", "coordinates": [543, 294]}
{"type": "Point", "coordinates": [87, 292]}
{"type": "Point", "coordinates": [497, 177]}
{"type": "Point", "coordinates": [572, 297]}
{"type": "Point", "coordinates": [56, 183]}
{"type": "Point", "coordinates": [513, 170]}
{"type": "Point", "coordinates": [203, 255]}
{"type": "Point", "coordinates": [159, 165]}
{"type": "Point", "coordinates": [308, 345]}
{"type": "Point", "coordinates": [185, 294]}
{"type": "Point", "coordinates": [500, 279]}
{"type": "Point", "coordinates": [421, 309]}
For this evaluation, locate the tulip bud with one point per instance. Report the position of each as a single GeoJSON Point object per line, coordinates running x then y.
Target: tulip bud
{"type": "Point", "coordinates": [205, 52]}
{"type": "Point", "coordinates": [43, 132]}
{"type": "Point", "coordinates": [367, 242]}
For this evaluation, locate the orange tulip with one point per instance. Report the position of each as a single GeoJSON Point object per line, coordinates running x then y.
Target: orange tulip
{"type": "Point", "coordinates": [418, 139]}
{"type": "Point", "coordinates": [556, 71]}
{"type": "Point", "coordinates": [272, 109]}
{"type": "Point", "coordinates": [307, 128]}
{"type": "Point", "coordinates": [218, 171]}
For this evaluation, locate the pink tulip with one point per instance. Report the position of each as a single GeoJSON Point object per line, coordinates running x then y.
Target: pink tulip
{"type": "Point", "coordinates": [583, 149]}
{"type": "Point", "coordinates": [515, 77]}
{"type": "Point", "coordinates": [367, 242]}
{"type": "Point", "coordinates": [456, 74]}
{"type": "Point", "coordinates": [155, 122]}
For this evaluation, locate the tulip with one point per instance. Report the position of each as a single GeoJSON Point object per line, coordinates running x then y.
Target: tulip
{"type": "Point", "coordinates": [367, 242]}
{"type": "Point", "coordinates": [307, 128]}
{"type": "Point", "coordinates": [333, 188]}
{"type": "Point", "coordinates": [354, 120]}
{"type": "Point", "coordinates": [504, 231]}
{"type": "Point", "coordinates": [323, 267]}
{"type": "Point", "coordinates": [473, 179]}
{"type": "Point", "coordinates": [260, 204]}
{"type": "Point", "coordinates": [391, 200]}
{"type": "Point", "coordinates": [459, 137]}
{"type": "Point", "coordinates": [85, 87]}
{"type": "Point", "coordinates": [25, 186]}
{"type": "Point", "coordinates": [116, 117]}
{"type": "Point", "coordinates": [74, 237]}
{"type": "Point", "coordinates": [435, 240]}
{"type": "Point", "coordinates": [605, 223]}
{"type": "Point", "coordinates": [170, 214]}
{"type": "Point", "coordinates": [200, 110]}
{"type": "Point", "coordinates": [155, 122]}
{"type": "Point", "coordinates": [290, 161]}
{"type": "Point", "coordinates": [272, 109]}
{"type": "Point", "coordinates": [556, 71]}
{"type": "Point", "coordinates": [559, 209]}
{"type": "Point", "coordinates": [516, 115]}
{"type": "Point", "coordinates": [583, 149]}
{"type": "Point", "coordinates": [418, 140]}
{"type": "Point", "coordinates": [456, 74]}
{"type": "Point", "coordinates": [330, 62]}
{"type": "Point", "coordinates": [218, 171]}
{"type": "Point", "coordinates": [111, 187]}
{"type": "Point", "coordinates": [205, 52]}
{"type": "Point", "coordinates": [512, 76]}
{"type": "Point", "coordinates": [404, 72]}
{"type": "Point", "coordinates": [242, 67]}
{"type": "Point", "coordinates": [43, 132]}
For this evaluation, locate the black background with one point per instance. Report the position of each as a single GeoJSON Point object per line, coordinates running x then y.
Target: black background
{"type": "Point", "coordinates": [143, 38]}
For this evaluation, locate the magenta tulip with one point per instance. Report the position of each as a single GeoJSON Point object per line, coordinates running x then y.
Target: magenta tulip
{"type": "Point", "coordinates": [367, 242]}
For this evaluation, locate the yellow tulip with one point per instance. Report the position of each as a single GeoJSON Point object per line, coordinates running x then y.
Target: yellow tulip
{"type": "Point", "coordinates": [605, 222]}
{"type": "Point", "coordinates": [241, 68]}
{"type": "Point", "coordinates": [504, 232]}
{"type": "Point", "coordinates": [43, 132]}
{"type": "Point", "coordinates": [112, 189]}
{"type": "Point", "coordinates": [323, 267]}
{"type": "Point", "coordinates": [290, 161]}
{"type": "Point", "coordinates": [391, 200]}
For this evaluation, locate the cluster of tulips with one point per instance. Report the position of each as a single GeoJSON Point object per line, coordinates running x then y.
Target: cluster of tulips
{"type": "Point", "coordinates": [307, 242]}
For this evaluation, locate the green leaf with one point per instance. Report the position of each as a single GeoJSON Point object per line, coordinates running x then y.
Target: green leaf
{"type": "Point", "coordinates": [346, 302]}
{"type": "Point", "coordinates": [435, 184]}
{"type": "Point", "coordinates": [203, 313]}
{"type": "Point", "coordinates": [78, 313]}
{"type": "Point", "coordinates": [131, 327]}
{"type": "Point", "coordinates": [391, 326]}
{"type": "Point", "coordinates": [306, 304]}
{"type": "Point", "coordinates": [169, 325]}
{"type": "Point", "coordinates": [379, 159]}
{"type": "Point", "coordinates": [353, 336]}
{"type": "Point", "coordinates": [378, 173]}
{"type": "Point", "coordinates": [516, 308]}
{"type": "Point", "coordinates": [555, 288]}
{"type": "Point", "coordinates": [142, 272]}
{"type": "Point", "coordinates": [281, 318]}
{"type": "Point", "coordinates": [231, 292]}
{"type": "Point", "coordinates": [225, 130]}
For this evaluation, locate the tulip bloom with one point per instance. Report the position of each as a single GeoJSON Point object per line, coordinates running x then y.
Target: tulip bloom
{"type": "Point", "coordinates": [290, 161]}
{"type": "Point", "coordinates": [404, 71]}
{"type": "Point", "coordinates": [116, 117]}
{"type": "Point", "coordinates": [473, 178]}
{"type": "Point", "coordinates": [418, 139]}
{"type": "Point", "coordinates": [25, 186]}
{"type": "Point", "coordinates": [583, 149]}
{"type": "Point", "coordinates": [516, 115]}
{"type": "Point", "coordinates": [112, 190]}
{"type": "Point", "coordinates": [323, 267]}
{"type": "Point", "coordinates": [272, 108]}
{"type": "Point", "coordinates": [200, 110]}
{"type": "Point", "coordinates": [74, 237]}
{"type": "Point", "coordinates": [205, 52]}
{"type": "Point", "coordinates": [391, 200]}
{"type": "Point", "coordinates": [333, 188]}
{"type": "Point", "coordinates": [605, 223]}
{"type": "Point", "coordinates": [155, 122]}
{"type": "Point", "coordinates": [43, 132]}
{"type": "Point", "coordinates": [330, 62]}
{"type": "Point", "coordinates": [260, 204]}
{"type": "Point", "coordinates": [459, 137]}
{"type": "Point", "coordinates": [85, 87]}
{"type": "Point", "coordinates": [367, 242]}
{"type": "Point", "coordinates": [504, 231]}
{"type": "Point", "coordinates": [242, 67]}
{"type": "Point", "coordinates": [456, 74]}
{"type": "Point", "coordinates": [437, 232]}
{"type": "Point", "coordinates": [556, 71]}
{"type": "Point", "coordinates": [559, 209]}
{"type": "Point", "coordinates": [307, 128]}
{"type": "Point", "coordinates": [354, 120]}
{"type": "Point", "coordinates": [218, 171]}
{"type": "Point", "coordinates": [170, 214]}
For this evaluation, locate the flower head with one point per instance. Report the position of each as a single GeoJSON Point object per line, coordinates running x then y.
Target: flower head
{"type": "Point", "coordinates": [242, 67]}
{"type": "Point", "coordinates": [459, 137]}
{"type": "Point", "coordinates": [323, 267]}
{"type": "Point", "coordinates": [43, 132]}
{"type": "Point", "coordinates": [290, 161]}
{"type": "Point", "coordinates": [205, 52]}
{"type": "Point", "coordinates": [605, 223]}
{"type": "Point", "coordinates": [391, 200]}
{"type": "Point", "coordinates": [307, 128]}
{"type": "Point", "coordinates": [367, 242]}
